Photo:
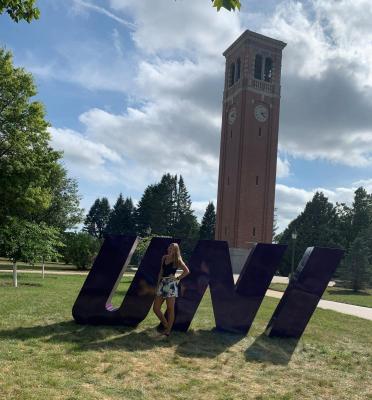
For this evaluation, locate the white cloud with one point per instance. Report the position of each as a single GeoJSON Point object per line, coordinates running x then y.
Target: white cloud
{"type": "Point", "coordinates": [191, 27]}
{"type": "Point", "coordinates": [84, 157]}
{"type": "Point", "coordinates": [327, 79]}
{"type": "Point", "coordinates": [283, 168]}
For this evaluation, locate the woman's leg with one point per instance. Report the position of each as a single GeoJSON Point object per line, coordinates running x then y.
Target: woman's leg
{"type": "Point", "coordinates": [170, 313]}
{"type": "Point", "coordinates": [159, 300]}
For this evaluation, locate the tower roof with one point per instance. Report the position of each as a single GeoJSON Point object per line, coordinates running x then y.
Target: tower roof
{"type": "Point", "coordinates": [255, 37]}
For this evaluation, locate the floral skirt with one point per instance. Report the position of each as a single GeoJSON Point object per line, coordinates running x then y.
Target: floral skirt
{"type": "Point", "coordinates": [167, 287]}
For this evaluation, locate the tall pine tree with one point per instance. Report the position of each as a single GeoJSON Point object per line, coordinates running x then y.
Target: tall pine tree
{"type": "Point", "coordinates": [357, 268]}
{"type": "Point", "coordinates": [97, 218]}
{"type": "Point", "coordinates": [122, 218]}
{"type": "Point", "coordinates": [165, 207]}
{"type": "Point", "coordinates": [156, 208]}
{"type": "Point", "coordinates": [185, 224]}
{"type": "Point", "coordinates": [208, 225]}
{"type": "Point", "coordinates": [362, 206]}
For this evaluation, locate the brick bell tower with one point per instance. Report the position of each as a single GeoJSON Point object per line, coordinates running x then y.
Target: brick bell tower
{"type": "Point", "coordinates": [249, 141]}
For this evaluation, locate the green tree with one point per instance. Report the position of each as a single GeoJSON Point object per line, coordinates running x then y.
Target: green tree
{"type": "Point", "coordinates": [156, 208]}
{"type": "Point", "coordinates": [122, 217]}
{"type": "Point", "coordinates": [22, 240]}
{"type": "Point", "coordinates": [64, 211]}
{"type": "Point", "coordinates": [228, 4]}
{"type": "Point", "coordinates": [20, 9]}
{"type": "Point", "coordinates": [80, 249]}
{"type": "Point", "coordinates": [146, 210]}
{"type": "Point", "coordinates": [361, 212]}
{"type": "Point", "coordinates": [165, 207]}
{"type": "Point", "coordinates": [317, 225]}
{"type": "Point", "coordinates": [33, 184]}
{"type": "Point", "coordinates": [25, 155]}
{"type": "Point", "coordinates": [208, 225]}
{"type": "Point", "coordinates": [357, 269]}
{"type": "Point", "coordinates": [185, 224]}
{"type": "Point", "coordinates": [97, 218]}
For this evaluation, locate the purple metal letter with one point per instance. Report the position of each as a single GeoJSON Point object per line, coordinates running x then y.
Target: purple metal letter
{"type": "Point", "coordinates": [92, 303]}
{"type": "Point", "coordinates": [234, 306]}
{"type": "Point", "coordinates": [304, 292]}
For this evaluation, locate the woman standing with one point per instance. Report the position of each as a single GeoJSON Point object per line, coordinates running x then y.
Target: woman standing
{"type": "Point", "coordinates": [167, 289]}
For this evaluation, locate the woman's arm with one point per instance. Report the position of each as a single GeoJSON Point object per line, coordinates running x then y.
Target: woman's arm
{"type": "Point", "coordinates": [185, 271]}
{"type": "Point", "coordinates": [161, 271]}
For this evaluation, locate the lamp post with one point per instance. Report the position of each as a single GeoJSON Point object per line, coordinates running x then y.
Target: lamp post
{"type": "Point", "coordinates": [294, 237]}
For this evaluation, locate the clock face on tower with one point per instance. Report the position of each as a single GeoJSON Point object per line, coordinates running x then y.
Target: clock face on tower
{"type": "Point", "coordinates": [231, 116]}
{"type": "Point", "coordinates": [261, 113]}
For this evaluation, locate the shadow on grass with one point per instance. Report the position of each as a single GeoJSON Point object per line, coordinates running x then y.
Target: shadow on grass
{"type": "Point", "coordinates": [273, 350]}
{"type": "Point", "coordinates": [347, 292]}
{"type": "Point", "coordinates": [205, 343]}
{"type": "Point", "coordinates": [200, 343]}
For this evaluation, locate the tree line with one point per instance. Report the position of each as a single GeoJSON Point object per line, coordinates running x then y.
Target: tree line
{"type": "Point", "coordinates": [340, 226]}
{"type": "Point", "coordinates": [164, 209]}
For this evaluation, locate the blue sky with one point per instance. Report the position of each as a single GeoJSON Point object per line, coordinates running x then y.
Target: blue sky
{"type": "Point", "coordinates": [134, 89]}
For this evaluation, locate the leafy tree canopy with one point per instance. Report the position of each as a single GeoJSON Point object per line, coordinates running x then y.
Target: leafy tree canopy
{"type": "Point", "coordinates": [22, 240]}
{"type": "Point", "coordinates": [20, 9]}
{"type": "Point", "coordinates": [228, 4]}
{"type": "Point", "coordinates": [33, 184]}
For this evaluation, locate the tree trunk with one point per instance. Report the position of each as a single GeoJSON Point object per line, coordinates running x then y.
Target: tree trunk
{"type": "Point", "coordinates": [43, 268]}
{"type": "Point", "coordinates": [15, 281]}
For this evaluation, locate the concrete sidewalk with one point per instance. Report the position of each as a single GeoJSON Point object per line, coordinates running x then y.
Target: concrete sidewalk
{"type": "Point", "coordinates": [356, 311]}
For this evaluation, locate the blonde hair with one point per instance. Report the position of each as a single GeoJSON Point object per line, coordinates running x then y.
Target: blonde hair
{"type": "Point", "coordinates": [177, 258]}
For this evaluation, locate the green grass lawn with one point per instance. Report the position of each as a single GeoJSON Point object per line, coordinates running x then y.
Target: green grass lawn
{"type": "Point", "coordinates": [342, 295]}
{"type": "Point", "coordinates": [45, 355]}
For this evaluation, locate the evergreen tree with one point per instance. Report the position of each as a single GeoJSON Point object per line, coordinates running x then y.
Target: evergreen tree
{"type": "Point", "coordinates": [167, 200]}
{"type": "Point", "coordinates": [208, 225]}
{"type": "Point", "coordinates": [361, 212]}
{"type": "Point", "coordinates": [145, 210]}
{"type": "Point", "coordinates": [156, 208]}
{"type": "Point", "coordinates": [96, 220]}
{"type": "Point", "coordinates": [186, 224]}
{"type": "Point", "coordinates": [122, 220]}
{"type": "Point", "coordinates": [357, 269]}
{"type": "Point", "coordinates": [317, 225]}
{"type": "Point", "coordinates": [344, 224]}
{"type": "Point", "coordinates": [165, 207]}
